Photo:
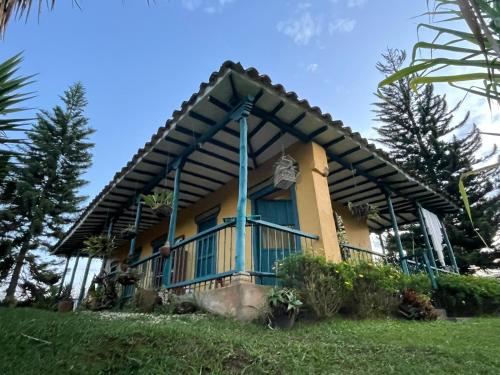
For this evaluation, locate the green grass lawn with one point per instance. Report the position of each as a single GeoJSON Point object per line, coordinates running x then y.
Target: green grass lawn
{"type": "Point", "coordinates": [43, 342]}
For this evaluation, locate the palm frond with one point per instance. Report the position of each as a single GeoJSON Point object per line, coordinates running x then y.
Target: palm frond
{"type": "Point", "coordinates": [19, 8]}
{"type": "Point", "coordinates": [453, 47]}
{"type": "Point", "coordinates": [11, 98]}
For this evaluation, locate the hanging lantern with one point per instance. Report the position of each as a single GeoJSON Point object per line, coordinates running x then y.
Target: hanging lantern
{"type": "Point", "coordinates": [285, 172]}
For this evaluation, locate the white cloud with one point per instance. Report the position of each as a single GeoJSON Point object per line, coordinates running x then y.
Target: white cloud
{"type": "Point", "coordinates": [208, 6]}
{"type": "Point", "coordinates": [351, 3]}
{"type": "Point", "coordinates": [191, 4]}
{"type": "Point", "coordinates": [342, 25]}
{"type": "Point", "coordinates": [312, 67]}
{"type": "Point", "coordinates": [301, 29]}
{"type": "Point", "coordinates": [355, 3]}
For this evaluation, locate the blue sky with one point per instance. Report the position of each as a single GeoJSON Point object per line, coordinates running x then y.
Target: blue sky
{"type": "Point", "coordinates": [139, 62]}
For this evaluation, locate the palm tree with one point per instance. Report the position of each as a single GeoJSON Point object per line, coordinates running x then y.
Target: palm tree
{"type": "Point", "coordinates": [10, 99]}
{"type": "Point", "coordinates": [19, 8]}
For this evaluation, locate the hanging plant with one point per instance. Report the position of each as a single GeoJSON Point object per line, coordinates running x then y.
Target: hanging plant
{"type": "Point", "coordinates": [160, 202]}
{"type": "Point", "coordinates": [285, 172]}
{"type": "Point", "coordinates": [129, 277]}
{"type": "Point", "coordinates": [129, 232]}
{"type": "Point", "coordinates": [364, 211]}
{"type": "Point", "coordinates": [99, 246]}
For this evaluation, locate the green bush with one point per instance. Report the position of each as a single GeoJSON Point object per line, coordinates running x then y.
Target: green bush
{"type": "Point", "coordinates": [323, 286]}
{"type": "Point", "coordinates": [376, 290]}
{"type": "Point", "coordinates": [463, 295]}
{"type": "Point", "coordinates": [362, 289]}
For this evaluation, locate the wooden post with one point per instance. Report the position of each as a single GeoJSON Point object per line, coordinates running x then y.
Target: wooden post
{"type": "Point", "coordinates": [63, 276]}
{"type": "Point", "coordinates": [74, 271]}
{"type": "Point", "coordinates": [136, 224]}
{"type": "Point", "coordinates": [381, 243]}
{"type": "Point", "coordinates": [430, 273]}
{"type": "Point", "coordinates": [241, 210]}
{"type": "Point", "coordinates": [402, 257]}
{"type": "Point", "coordinates": [84, 281]}
{"type": "Point", "coordinates": [426, 236]}
{"type": "Point", "coordinates": [167, 268]}
{"type": "Point", "coordinates": [451, 253]}
{"type": "Point", "coordinates": [109, 234]}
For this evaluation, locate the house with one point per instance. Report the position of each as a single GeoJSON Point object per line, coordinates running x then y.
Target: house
{"type": "Point", "coordinates": [229, 220]}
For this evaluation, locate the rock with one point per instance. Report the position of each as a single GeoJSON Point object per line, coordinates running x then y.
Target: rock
{"type": "Point", "coordinates": [145, 300]}
{"type": "Point", "coordinates": [440, 314]}
{"type": "Point", "coordinates": [185, 307]}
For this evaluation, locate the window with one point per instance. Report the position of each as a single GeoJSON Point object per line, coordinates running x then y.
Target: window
{"type": "Point", "coordinates": [206, 248]}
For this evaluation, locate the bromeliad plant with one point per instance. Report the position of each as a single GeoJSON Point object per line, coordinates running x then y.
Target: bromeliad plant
{"type": "Point", "coordinates": [99, 246]}
{"type": "Point", "coordinates": [284, 304]}
{"type": "Point", "coordinates": [129, 232]}
{"type": "Point", "coordinates": [364, 211]}
{"type": "Point", "coordinates": [160, 202]}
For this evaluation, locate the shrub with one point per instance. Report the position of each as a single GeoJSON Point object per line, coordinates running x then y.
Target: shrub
{"type": "Point", "coordinates": [323, 286]}
{"type": "Point", "coordinates": [463, 295]}
{"type": "Point", "coordinates": [420, 283]}
{"type": "Point", "coordinates": [376, 290]}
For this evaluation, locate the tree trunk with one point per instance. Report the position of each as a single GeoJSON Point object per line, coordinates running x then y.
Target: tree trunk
{"type": "Point", "coordinates": [14, 280]}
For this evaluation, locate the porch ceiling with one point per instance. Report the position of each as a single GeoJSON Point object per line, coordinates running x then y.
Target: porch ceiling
{"type": "Point", "coordinates": [278, 119]}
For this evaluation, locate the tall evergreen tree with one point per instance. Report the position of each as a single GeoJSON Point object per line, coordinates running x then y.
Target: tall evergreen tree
{"type": "Point", "coordinates": [44, 195]}
{"type": "Point", "coordinates": [419, 130]}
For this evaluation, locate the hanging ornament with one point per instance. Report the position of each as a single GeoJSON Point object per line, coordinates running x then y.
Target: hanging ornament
{"type": "Point", "coordinates": [285, 172]}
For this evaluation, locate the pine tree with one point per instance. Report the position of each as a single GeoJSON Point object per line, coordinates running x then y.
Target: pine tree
{"type": "Point", "coordinates": [45, 196]}
{"type": "Point", "coordinates": [419, 130]}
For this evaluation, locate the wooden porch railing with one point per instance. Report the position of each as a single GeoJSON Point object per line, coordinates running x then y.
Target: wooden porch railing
{"type": "Point", "coordinates": [207, 259]}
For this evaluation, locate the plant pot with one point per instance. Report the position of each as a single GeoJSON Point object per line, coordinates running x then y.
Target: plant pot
{"type": "Point", "coordinates": [165, 250]}
{"type": "Point", "coordinates": [65, 305]}
{"type": "Point", "coordinates": [360, 211]}
{"type": "Point", "coordinates": [284, 320]}
{"type": "Point", "coordinates": [163, 211]}
{"type": "Point", "coordinates": [128, 234]}
{"type": "Point", "coordinates": [127, 278]}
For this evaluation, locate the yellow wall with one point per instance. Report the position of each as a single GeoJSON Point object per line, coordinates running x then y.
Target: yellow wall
{"type": "Point", "coordinates": [313, 206]}
{"type": "Point", "coordinates": [357, 231]}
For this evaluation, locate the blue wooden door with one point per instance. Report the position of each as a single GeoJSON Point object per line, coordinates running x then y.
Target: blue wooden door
{"type": "Point", "coordinates": [273, 245]}
{"type": "Point", "coordinates": [206, 249]}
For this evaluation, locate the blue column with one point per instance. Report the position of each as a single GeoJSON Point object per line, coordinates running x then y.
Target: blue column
{"type": "Point", "coordinates": [402, 257]}
{"type": "Point", "coordinates": [431, 275]}
{"type": "Point", "coordinates": [451, 253]}
{"type": "Point", "coordinates": [63, 275]}
{"type": "Point", "coordinates": [84, 281]}
{"type": "Point", "coordinates": [241, 210]}
{"type": "Point", "coordinates": [175, 204]}
{"type": "Point", "coordinates": [167, 267]}
{"type": "Point", "coordinates": [136, 224]}
{"type": "Point", "coordinates": [109, 234]}
{"type": "Point", "coordinates": [426, 237]}
{"type": "Point", "coordinates": [74, 270]}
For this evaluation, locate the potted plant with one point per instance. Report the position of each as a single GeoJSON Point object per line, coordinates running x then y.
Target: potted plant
{"type": "Point", "coordinates": [364, 211]}
{"type": "Point", "coordinates": [160, 202]}
{"type": "Point", "coordinates": [284, 305]}
{"type": "Point", "coordinates": [129, 232]}
{"type": "Point", "coordinates": [166, 249]}
{"type": "Point", "coordinates": [65, 303]}
{"type": "Point", "coordinates": [99, 246]}
{"type": "Point", "coordinates": [128, 277]}
{"type": "Point", "coordinates": [285, 172]}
